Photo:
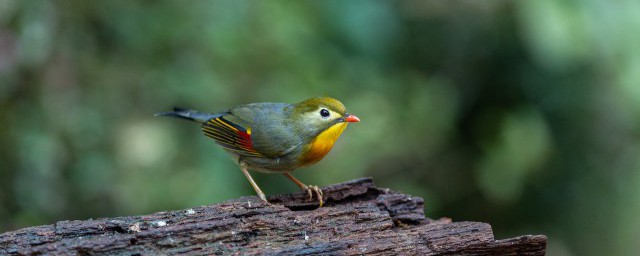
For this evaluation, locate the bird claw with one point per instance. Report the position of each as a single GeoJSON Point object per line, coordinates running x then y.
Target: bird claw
{"type": "Point", "coordinates": [263, 197]}
{"type": "Point", "coordinates": [311, 189]}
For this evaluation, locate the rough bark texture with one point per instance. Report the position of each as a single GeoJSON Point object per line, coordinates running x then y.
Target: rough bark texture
{"type": "Point", "coordinates": [358, 218]}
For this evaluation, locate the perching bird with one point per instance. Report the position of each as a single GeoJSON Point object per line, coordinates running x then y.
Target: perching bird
{"type": "Point", "coordinates": [275, 137]}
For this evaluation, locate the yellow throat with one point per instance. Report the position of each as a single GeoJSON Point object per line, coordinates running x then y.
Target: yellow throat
{"type": "Point", "coordinates": [322, 144]}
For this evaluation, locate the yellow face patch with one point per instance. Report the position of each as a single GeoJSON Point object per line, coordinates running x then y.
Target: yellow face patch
{"type": "Point", "coordinates": [322, 144]}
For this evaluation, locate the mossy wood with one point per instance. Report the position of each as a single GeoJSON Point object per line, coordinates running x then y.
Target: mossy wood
{"type": "Point", "coordinates": [358, 218]}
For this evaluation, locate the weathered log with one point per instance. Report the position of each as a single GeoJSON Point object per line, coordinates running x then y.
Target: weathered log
{"type": "Point", "coordinates": [358, 218]}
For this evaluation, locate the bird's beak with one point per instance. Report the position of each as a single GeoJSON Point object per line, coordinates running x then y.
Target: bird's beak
{"type": "Point", "coordinates": [351, 118]}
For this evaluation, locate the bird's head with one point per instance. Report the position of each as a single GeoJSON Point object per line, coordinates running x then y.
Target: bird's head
{"type": "Point", "coordinates": [319, 114]}
{"type": "Point", "coordinates": [320, 122]}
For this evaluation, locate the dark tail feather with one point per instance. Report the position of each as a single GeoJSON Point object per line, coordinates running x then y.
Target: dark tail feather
{"type": "Point", "coordinates": [188, 114]}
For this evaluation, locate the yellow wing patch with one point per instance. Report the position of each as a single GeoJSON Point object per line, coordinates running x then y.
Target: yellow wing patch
{"type": "Point", "coordinates": [230, 136]}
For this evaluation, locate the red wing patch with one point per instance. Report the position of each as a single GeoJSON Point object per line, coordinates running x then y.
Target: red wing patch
{"type": "Point", "coordinates": [230, 136]}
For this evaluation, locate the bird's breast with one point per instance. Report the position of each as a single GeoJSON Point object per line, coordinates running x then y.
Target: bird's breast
{"type": "Point", "coordinates": [321, 144]}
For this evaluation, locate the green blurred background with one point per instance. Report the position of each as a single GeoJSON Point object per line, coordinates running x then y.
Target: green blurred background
{"type": "Point", "coordinates": [523, 114]}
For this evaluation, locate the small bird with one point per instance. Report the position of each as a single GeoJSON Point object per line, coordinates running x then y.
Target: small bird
{"type": "Point", "coordinates": [275, 137]}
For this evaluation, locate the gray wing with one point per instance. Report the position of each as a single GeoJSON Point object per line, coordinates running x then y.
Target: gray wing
{"type": "Point", "coordinates": [271, 133]}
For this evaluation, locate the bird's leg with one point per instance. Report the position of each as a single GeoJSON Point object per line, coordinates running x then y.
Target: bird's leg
{"type": "Point", "coordinates": [310, 188]}
{"type": "Point", "coordinates": [253, 183]}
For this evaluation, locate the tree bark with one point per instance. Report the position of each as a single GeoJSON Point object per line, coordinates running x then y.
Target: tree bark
{"type": "Point", "coordinates": [358, 218]}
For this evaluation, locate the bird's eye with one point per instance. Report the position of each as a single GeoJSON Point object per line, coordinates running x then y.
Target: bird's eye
{"type": "Point", "coordinates": [324, 113]}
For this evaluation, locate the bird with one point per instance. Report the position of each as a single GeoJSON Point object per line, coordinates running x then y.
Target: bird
{"type": "Point", "coordinates": [275, 137]}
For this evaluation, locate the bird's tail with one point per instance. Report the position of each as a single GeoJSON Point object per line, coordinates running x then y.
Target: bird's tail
{"type": "Point", "coordinates": [188, 114]}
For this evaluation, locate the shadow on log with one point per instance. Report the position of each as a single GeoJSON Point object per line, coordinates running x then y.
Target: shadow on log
{"type": "Point", "coordinates": [358, 218]}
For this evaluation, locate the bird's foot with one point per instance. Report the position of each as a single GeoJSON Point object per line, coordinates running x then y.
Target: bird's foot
{"type": "Point", "coordinates": [263, 197]}
{"type": "Point", "coordinates": [311, 189]}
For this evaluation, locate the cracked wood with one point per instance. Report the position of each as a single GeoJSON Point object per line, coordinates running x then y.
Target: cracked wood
{"type": "Point", "coordinates": [358, 218]}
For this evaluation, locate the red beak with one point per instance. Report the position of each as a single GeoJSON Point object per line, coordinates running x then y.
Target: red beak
{"type": "Point", "coordinates": [351, 118]}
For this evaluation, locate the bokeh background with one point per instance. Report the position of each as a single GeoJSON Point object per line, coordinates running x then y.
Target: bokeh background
{"type": "Point", "coordinates": [523, 114]}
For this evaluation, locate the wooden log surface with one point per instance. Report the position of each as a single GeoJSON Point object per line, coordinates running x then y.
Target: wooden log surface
{"type": "Point", "coordinates": [357, 218]}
